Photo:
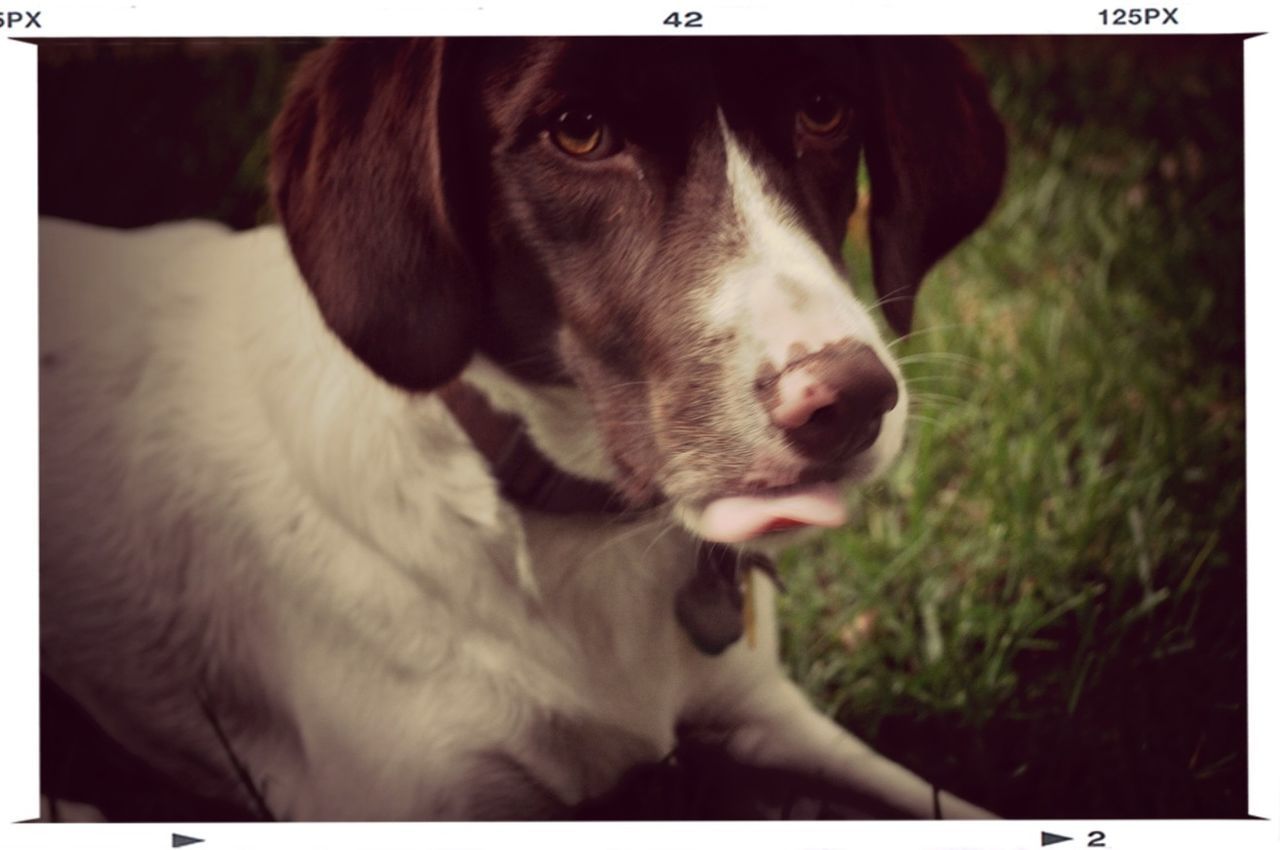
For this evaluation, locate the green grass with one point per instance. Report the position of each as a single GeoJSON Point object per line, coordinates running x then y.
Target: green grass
{"type": "Point", "coordinates": [1042, 606]}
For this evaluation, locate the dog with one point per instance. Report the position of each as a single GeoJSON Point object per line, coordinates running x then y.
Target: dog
{"type": "Point", "coordinates": [450, 495]}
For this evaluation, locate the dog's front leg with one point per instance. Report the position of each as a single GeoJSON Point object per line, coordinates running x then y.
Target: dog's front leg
{"type": "Point", "coordinates": [779, 728]}
{"type": "Point", "coordinates": [763, 719]}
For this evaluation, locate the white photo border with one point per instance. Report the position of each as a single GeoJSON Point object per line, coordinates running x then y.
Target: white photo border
{"type": "Point", "coordinates": [19, 796]}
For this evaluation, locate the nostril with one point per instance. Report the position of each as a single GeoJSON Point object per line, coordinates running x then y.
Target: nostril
{"type": "Point", "coordinates": [865, 434]}
{"type": "Point", "coordinates": [825, 417]}
{"type": "Point", "coordinates": [838, 430]}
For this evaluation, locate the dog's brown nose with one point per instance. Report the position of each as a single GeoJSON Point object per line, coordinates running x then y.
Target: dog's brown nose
{"type": "Point", "coordinates": [830, 403]}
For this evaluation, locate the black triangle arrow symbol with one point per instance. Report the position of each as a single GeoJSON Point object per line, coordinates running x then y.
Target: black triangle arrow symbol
{"type": "Point", "coordinates": [1047, 838]}
{"type": "Point", "coordinates": [184, 840]}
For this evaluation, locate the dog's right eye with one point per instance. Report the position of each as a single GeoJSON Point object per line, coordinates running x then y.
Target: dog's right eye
{"type": "Point", "coordinates": [822, 113]}
{"type": "Point", "coordinates": [581, 133]}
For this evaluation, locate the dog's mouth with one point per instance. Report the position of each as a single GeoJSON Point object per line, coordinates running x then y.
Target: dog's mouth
{"type": "Point", "coordinates": [738, 518]}
{"type": "Point", "coordinates": [746, 510]}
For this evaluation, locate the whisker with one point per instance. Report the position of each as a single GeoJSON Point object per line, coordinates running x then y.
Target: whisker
{"type": "Point", "coordinates": [892, 298]}
{"type": "Point", "coordinates": [911, 380]}
{"type": "Point", "coordinates": [939, 357]}
{"type": "Point", "coordinates": [920, 417]}
{"type": "Point", "coordinates": [927, 329]}
{"type": "Point", "coordinates": [668, 525]}
{"type": "Point", "coordinates": [640, 526]}
{"type": "Point", "coordinates": [935, 398]}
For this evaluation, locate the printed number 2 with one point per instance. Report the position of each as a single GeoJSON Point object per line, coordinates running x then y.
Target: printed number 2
{"type": "Point", "coordinates": [690, 19]}
{"type": "Point", "coordinates": [1097, 838]}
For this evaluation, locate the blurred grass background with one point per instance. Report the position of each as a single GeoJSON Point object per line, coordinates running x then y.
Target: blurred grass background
{"type": "Point", "coordinates": [1042, 607]}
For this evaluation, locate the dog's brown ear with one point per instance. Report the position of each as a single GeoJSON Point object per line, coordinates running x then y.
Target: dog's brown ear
{"type": "Point", "coordinates": [362, 168]}
{"type": "Point", "coordinates": [935, 153]}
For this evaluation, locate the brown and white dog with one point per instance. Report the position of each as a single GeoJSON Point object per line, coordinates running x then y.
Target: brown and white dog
{"type": "Point", "coordinates": [435, 501]}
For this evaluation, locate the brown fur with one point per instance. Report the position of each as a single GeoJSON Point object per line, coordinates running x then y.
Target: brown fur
{"type": "Point", "coordinates": [432, 219]}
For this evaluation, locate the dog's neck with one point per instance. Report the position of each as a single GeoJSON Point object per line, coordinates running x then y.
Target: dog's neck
{"type": "Point", "coordinates": [709, 605]}
{"type": "Point", "coordinates": [525, 475]}
{"type": "Point", "coordinates": [556, 419]}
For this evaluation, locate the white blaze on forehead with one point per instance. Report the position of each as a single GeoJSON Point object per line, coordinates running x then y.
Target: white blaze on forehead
{"type": "Point", "coordinates": [783, 290]}
{"type": "Point", "coordinates": [781, 294]}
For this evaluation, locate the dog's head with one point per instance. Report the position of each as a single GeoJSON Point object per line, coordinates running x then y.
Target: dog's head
{"type": "Point", "coordinates": [657, 222]}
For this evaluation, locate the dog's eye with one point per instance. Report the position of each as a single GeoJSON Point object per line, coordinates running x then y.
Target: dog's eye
{"type": "Point", "coordinates": [580, 132]}
{"type": "Point", "coordinates": [822, 113]}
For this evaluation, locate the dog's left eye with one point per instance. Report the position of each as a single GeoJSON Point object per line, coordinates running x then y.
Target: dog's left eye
{"type": "Point", "coordinates": [582, 133]}
{"type": "Point", "coordinates": [822, 113]}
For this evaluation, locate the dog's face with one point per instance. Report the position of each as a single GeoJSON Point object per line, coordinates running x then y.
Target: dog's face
{"type": "Point", "coordinates": [657, 221]}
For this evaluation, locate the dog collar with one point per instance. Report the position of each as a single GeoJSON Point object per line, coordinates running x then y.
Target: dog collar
{"type": "Point", "coordinates": [713, 606]}
{"type": "Point", "coordinates": [524, 474]}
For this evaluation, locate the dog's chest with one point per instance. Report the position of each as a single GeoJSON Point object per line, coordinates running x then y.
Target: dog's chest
{"type": "Point", "coordinates": [546, 691]}
{"type": "Point", "coordinates": [605, 594]}
{"type": "Point", "coordinates": [590, 670]}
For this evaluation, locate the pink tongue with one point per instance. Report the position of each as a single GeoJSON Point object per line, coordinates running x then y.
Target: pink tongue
{"type": "Point", "coordinates": [737, 518]}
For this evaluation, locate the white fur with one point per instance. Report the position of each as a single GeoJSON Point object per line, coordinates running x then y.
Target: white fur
{"type": "Point", "coordinates": [554, 416]}
{"type": "Point", "coordinates": [784, 291]}
{"type": "Point", "coordinates": [236, 511]}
